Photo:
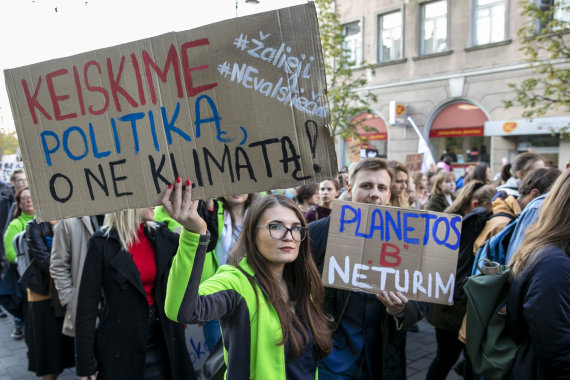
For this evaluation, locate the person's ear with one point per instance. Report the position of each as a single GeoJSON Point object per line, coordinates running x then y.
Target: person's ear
{"type": "Point", "coordinates": [474, 204]}
{"type": "Point", "coordinates": [534, 193]}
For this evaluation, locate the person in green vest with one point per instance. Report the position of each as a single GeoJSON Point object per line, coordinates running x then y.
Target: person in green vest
{"type": "Point", "coordinates": [270, 305]}
{"type": "Point", "coordinates": [24, 212]}
{"type": "Point", "coordinates": [224, 216]}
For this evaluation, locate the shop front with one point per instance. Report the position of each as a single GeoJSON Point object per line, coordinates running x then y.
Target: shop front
{"type": "Point", "coordinates": [537, 135]}
{"type": "Point", "coordinates": [457, 130]}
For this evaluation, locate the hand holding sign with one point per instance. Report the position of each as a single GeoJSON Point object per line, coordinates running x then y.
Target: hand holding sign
{"type": "Point", "coordinates": [395, 302]}
{"type": "Point", "coordinates": [182, 208]}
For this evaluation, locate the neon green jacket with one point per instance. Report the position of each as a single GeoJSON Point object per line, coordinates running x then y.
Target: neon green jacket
{"type": "Point", "coordinates": [14, 228]}
{"type": "Point", "coordinates": [251, 332]}
{"type": "Point", "coordinates": [211, 264]}
{"type": "Point", "coordinates": [161, 215]}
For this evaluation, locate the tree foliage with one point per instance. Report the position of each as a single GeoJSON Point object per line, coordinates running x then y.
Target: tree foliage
{"type": "Point", "coordinates": [345, 99]}
{"type": "Point", "coordinates": [544, 42]}
{"type": "Point", "coordinates": [9, 143]}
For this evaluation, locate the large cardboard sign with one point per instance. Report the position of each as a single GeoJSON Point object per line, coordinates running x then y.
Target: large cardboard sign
{"type": "Point", "coordinates": [373, 248]}
{"type": "Point", "coordinates": [236, 107]}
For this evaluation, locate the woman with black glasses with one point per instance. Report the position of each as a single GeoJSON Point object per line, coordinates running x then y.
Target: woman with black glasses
{"type": "Point", "coordinates": [269, 304]}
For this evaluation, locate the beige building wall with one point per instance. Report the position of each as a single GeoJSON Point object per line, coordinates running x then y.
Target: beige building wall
{"type": "Point", "coordinates": [476, 74]}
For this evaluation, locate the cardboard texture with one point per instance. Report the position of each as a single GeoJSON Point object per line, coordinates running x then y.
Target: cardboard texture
{"type": "Point", "coordinates": [414, 162]}
{"type": "Point", "coordinates": [354, 150]}
{"type": "Point", "coordinates": [236, 107]}
{"type": "Point", "coordinates": [373, 248]}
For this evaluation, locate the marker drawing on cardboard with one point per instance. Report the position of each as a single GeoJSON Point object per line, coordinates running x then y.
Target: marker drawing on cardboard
{"type": "Point", "coordinates": [372, 248]}
{"type": "Point", "coordinates": [236, 107]}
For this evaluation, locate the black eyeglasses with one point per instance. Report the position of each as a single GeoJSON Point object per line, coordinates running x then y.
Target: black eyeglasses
{"type": "Point", "coordinates": [279, 231]}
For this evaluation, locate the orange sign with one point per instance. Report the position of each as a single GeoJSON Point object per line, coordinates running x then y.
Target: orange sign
{"type": "Point", "coordinates": [400, 109]}
{"type": "Point", "coordinates": [509, 126]}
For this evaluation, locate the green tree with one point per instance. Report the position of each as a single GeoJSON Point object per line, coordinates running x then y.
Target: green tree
{"type": "Point", "coordinates": [544, 42]}
{"type": "Point", "coordinates": [8, 143]}
{"type": "Point", "coordinates": [345, 99]}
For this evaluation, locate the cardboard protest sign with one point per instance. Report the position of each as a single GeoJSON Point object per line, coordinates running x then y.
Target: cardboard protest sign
{"type": "Point", "coordinates": [373, 248]}
{"type": "Point", "coordinates": [414, 162]}
{"type": "Point", "coordinates": [354, 150]}
{"type": "Point", "coordinates": [9, 163]}
{"type": "Point", "coordinates": [236, 107]}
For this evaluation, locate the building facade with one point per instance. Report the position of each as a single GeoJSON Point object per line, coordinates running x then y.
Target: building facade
{"type": "Point", "coordinates": [446, 65]}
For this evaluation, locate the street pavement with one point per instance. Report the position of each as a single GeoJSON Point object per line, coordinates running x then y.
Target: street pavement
{"type": "Point", "coordinates": [420, 351]}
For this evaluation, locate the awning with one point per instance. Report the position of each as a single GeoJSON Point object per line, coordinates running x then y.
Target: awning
{"type": "Point", "coordinates": [380, 131]}
{"type": "Point", "coordinates": [458, 120]}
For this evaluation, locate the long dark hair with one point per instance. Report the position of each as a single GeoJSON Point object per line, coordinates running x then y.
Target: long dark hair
{"type": "Point", "coordinates": [251, 197]}
{"type": "Point", "coordinates": [474, 190]}
{"type": "Point", "coordinates": [18, 210]}
{"type": "Point", "coordinates": [478, 174]}
{"type": "Point", "coordinates": [301, 276]}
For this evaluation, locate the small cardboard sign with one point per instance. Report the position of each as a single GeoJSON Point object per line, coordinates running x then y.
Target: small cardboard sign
{"type": "Point", "coordinates": [414, 162]}
{"type": "Point", "coordinates": [354, 150]}
{"type": "Point", "coordinates": [9, 163]}
{"type": "Point", "coordinates": [236, 107]}
{"type": "Point", "coordinates": [373, 248]}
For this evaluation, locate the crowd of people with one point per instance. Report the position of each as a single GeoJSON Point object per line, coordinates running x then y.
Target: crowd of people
{"type": "Point", "coordinates": [110, 294]}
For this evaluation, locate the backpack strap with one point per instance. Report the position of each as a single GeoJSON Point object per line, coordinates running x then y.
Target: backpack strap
{"type": "Point", "coordinates": [505, 214]}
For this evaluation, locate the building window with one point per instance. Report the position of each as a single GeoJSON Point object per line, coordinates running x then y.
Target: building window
{"type": "Point", "coordinates": [353, 42]}
{"type": "Point", "coordinates": [433, 27]}
{"type": "Point", "coordinates": [390, 36]}
{"type": "Point", "coordinates": [562, 11]}
{"type": "Point", "coordinates": [489, 23]}
{"type": "Point", "coordinates": [559, 10]}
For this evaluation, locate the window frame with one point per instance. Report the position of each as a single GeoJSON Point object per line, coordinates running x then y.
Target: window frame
{"type": "Point", "coordinates": [420, 34]}
{"type": "Point", "coordinates": [473, 25]}
{"type": "Point", "coordinates": [360, 22]}
{"type": "Point", "coordinates": [538, 3]}
{"type": "Point", "coordinates": [379, 15]}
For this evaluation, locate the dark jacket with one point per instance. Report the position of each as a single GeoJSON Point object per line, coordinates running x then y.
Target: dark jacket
{"type": "Point", "coordinates": [538, 310]}
{"type": "Point", "coordinates": [389, 361]}
{"type": "Point", "coordinates": [6, 200]}
{"type": "Point", "coordinates": [116, 346]}
{"type": "Point", "coordinates": [39, 237]}
{"type": "Point", "coordinates": [446, 317]}
{"type": "Point", "coordinates": [437, 203]}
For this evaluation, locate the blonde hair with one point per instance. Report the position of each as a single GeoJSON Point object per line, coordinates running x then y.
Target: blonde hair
{"type": "Point", "coordinates": [439, 179]}
{"type": "Point", "coordinates": [400, 201]}
{"type": "Point", "coordinates": [552, 227]}
{"type": "Point", "coordinates": [126, 223]}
